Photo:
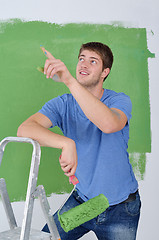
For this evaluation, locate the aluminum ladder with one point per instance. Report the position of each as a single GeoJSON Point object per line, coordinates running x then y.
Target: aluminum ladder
{"type": "Point", "coordinates": [25, 232]}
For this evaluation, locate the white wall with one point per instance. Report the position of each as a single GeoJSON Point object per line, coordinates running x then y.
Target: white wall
{"type": "Point", "coordinates": [137, 13]}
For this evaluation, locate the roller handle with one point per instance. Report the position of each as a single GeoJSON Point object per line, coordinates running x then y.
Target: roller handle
{"type": "Point", "coordinates": [73, 180]}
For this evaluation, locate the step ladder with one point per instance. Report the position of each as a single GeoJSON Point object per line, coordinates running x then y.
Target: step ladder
{"type": "Point", "coordinates": [25, 232]}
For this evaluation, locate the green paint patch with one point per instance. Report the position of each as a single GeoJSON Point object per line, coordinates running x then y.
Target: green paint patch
{"type": "Point", "coordinates": [24, 90]}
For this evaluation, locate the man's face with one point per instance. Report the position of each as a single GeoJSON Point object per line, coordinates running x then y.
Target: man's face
{"type": "Point", "coordinates": [89, 69]}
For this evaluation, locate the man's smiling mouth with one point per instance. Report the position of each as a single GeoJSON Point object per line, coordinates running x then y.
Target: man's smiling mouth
{"type": "Point", "coordinates": [83, 72]}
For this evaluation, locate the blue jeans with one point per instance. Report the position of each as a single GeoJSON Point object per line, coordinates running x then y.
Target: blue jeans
{"type": "Point", "coordinates": [118, 222]}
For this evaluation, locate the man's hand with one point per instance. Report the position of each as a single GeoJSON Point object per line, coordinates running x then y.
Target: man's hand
{"type": "Point", "coordinates": [56, 66]}
{"type": "Point", "coordinates": [68, 158]}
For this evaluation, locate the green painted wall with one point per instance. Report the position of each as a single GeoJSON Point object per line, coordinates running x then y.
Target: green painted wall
{"type": "Point", "coordinates": [23, 90]}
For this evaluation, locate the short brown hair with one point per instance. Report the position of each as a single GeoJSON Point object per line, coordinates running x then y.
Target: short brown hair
{"type": "Point", "coordinates": [102, 50]}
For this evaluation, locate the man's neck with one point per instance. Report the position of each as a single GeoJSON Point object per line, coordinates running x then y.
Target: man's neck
{"type": "Point", "coordinates": [97, 92]}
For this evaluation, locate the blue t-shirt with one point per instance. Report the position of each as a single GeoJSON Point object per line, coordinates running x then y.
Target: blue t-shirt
{"type": "Point", "coordinates": [103, 160]}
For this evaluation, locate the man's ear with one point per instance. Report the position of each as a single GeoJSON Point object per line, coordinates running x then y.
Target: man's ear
{"type": "Point", "coordinates": [105, 72]}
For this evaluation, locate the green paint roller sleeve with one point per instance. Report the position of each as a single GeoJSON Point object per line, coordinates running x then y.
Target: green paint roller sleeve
{"type": "Point", "coordinates": [83, 213]}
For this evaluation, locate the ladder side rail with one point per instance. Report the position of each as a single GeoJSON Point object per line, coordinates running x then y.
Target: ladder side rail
{"type": "Point", "coordinates": [7, 205]}
{"type": "Point", "coordinates": [29, 203]}
{"type": "Point", "coordinates": [40, 193]}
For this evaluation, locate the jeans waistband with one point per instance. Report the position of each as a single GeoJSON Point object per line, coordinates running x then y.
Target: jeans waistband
{"type": "Point", "coordinates": [132, 197]}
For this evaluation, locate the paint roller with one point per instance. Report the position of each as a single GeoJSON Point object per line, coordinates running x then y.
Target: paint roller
{"type": "Point", "coordinates": [83, 212]}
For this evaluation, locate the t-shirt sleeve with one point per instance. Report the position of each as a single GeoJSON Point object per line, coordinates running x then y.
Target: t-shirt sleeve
{"type": "Point", "coordinates": [122, 102]}
{"type": "Point", "coordinates": [54, 110]}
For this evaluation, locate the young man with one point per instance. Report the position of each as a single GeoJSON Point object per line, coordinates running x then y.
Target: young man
{"type": "Point", "coordinates": [95, 123]}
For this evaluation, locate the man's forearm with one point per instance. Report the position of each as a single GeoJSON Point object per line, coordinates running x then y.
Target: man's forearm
{"type": "Point", "coordinates": [96, 111]}
{"type": "Point", "coordinates": [44, 136]}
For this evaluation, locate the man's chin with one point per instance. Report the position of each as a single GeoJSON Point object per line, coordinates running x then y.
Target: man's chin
{"type": "Point", "coordinates": [84, 84]}
{"type": "Point", "coordinates": [81, 81]}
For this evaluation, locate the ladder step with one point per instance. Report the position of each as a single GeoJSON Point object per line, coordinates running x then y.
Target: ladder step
{"type": "Point", "coordinates": [14, 234]}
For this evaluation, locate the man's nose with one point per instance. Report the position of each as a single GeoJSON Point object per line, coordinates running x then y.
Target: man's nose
{"type": "Point", "coordinates": [85, 64]}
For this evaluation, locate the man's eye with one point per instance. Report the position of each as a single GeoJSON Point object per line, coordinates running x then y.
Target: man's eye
{"type": "Point", "coordinates": [81, 59]}
{"type": "Point", "coordinates": [93, 61]}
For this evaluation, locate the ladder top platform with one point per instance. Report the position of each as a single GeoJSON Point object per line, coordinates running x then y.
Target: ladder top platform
{"type": "Point", "coordinates": [14, 234]}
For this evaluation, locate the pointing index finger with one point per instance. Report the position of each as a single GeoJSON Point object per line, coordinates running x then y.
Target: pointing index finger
{"type": "Point", "coordinates": [47, 53]}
